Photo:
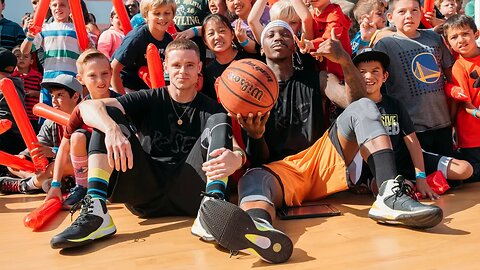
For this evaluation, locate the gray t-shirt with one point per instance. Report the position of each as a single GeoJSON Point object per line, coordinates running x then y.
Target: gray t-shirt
{"type": "Point", "coordinates": [416, 77]}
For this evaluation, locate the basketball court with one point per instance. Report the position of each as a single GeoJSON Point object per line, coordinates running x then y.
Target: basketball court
{"type": "Point", "coordinates": [350, 241]}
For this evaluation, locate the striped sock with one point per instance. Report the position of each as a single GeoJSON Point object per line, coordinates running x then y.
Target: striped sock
{"type": "Point", "coordinates": [98, 183]}
{"type": "Point", "coordinates": [80, 169]}
{"type": "Point", "coordinates": [217, 186]}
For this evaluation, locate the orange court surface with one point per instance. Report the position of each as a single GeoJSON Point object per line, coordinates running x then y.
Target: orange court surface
{"type": "Point", "coordinates": [350, 241]}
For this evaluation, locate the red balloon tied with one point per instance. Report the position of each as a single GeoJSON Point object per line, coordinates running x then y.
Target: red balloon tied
{"type": "Point", "coordinates": [79, 24]}
{"type": "Point", "coordinates": [21, 118]}
{"type": "Point", "coordinates": [143, 74]}
{"type": "Point", "coordinates": [16, 163]}
{"type": "Point", "coordinates": [155, 68]}
{"type": "Point", "coordinates": [122, 15]}
{"type": "Point", "coordinates": [5, 125]}
{"type": "Point", "coordinates": [48, 112]}
{"type": "Point", "coordinates": [38, 217]}
{"type": "Point", "coordinates": [39, 17]}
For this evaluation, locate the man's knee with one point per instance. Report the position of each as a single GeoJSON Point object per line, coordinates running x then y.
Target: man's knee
{"type": "Point", "coordinates": [364, 109]}
{"type": "Point", "coordinates": [216, 119]}
{"type": "Point", "coordinates": [257, 185]}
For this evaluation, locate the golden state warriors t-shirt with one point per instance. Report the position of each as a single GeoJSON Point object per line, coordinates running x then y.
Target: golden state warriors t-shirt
{"type": "Point", "coordinates": [416, 77]}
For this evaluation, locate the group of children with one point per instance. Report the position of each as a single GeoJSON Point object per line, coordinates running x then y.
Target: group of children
{"type": "Point", "coordinates": [423, 81]}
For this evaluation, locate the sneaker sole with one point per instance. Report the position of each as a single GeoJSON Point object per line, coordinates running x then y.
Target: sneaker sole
{"type": "Point", "coordinates": [423, 219]}
{"type": "Point", "coordinates": [59, 242]}
{"type": "Point", "coordinates": [235, 230]}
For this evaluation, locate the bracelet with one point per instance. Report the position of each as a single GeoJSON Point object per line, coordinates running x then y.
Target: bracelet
{"type": "Point", "coordinates": [56, 184]}
{"type": "Point", "coordinates": [30, 38]}
{"type": "Point", "coordinates": [420, 175]}
{"type": "Point", "coordinates": [363, 43]}
{"type": "Point", "coordinates": [474, 113]}
{"type": "Point", "coordinates": [244, 43]}
{"type": "Point", "coordinates": [242, 154]}
{"type": "Point", "coordinates": [195, 31]}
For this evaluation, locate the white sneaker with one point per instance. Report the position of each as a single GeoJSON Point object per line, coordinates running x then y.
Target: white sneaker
{"type": "Point", "coordinates": [199, 230]}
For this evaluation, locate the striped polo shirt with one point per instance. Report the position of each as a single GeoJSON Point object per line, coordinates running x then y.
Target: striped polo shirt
{"type": "Point", "coordinates": [59, 41]}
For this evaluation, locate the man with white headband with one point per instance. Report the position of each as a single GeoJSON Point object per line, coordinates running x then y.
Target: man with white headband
{"type": "Point", "coordinates": [301, 163]}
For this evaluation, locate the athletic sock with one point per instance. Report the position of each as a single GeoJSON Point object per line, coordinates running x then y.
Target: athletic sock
{"type": "Point", "coordinates": [80, 169]}
{"type": "Point", "coordinates": [98, 183]}
{"type": "Point", "coordinates": [260, 213]}
{"type": "Point", "coordinates": [31, 184]}
{"type": "Point", "coordinates": [386, 169]}
{"type": "Point", "coordinates": [217, 186]}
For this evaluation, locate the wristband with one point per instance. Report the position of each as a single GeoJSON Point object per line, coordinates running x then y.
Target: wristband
{"type": "Point", "coordinates": [244, 43]}
{"type": "Point", "coordinates": [242, 154]}
{"type": "Point", "coordinates": [420, 175]}
{"type": "Point", "coordinates": [195, 31]}
{"type": "Point", "coordinates": [474, 113]}
{"type": "Point", "coordinates": [30, 38]}
{"type": "Point", "coordinates": [363, 43]}
{"type": "Point", "coordinates": [56, 184]}
{"type": "Point", "coordinates": [55, 150]}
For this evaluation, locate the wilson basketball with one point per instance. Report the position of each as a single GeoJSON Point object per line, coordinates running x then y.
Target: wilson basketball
{"type": "Point", "coordinates": [247, 86]}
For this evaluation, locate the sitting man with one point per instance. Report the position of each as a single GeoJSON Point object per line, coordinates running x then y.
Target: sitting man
{"type": "Point", "coordinates": [301, 163]}
{"type": "Point", "coordinates": [163, 174]}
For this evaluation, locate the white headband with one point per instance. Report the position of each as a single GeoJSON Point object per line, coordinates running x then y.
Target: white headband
{"type": "Point", "coordinates": [275, 23]}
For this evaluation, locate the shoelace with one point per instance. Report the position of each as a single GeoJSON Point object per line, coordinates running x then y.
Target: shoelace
{"type": "Point", "coordinates": [402, 188]}
{"type": "Point", "coordinates": [87, 208]}
{"type": "Point", "coordinates": [10, 186]}
{"type": "Point", "coordinates": [211, 195]}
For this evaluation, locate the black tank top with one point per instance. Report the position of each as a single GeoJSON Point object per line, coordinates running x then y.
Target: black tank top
{"type": "Point", "coordinates": [295, 122]}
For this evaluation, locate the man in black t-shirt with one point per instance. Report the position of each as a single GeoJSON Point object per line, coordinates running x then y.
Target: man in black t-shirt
{"type": "Point", "coordinates": [163, 174]}
{"type": "Point", "coordinates": [303, 165]}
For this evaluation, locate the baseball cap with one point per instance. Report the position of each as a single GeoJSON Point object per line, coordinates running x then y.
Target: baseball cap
{"type": "Point", "coordinates": [63, 81]}
{"type": "Point", "coordinates": [8, 61]}
{"type": "Point", "coordinates": [369, 54]}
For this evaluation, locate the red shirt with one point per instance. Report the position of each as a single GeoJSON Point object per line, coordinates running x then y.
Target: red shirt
{"type": "Point", "coordinates": [31, 82]}
{"type": "Point", "coordinates": [468, 130]}
{"type": "Point", "coordinates": [332, 17]}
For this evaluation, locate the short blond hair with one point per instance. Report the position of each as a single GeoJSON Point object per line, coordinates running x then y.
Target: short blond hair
{"type": "Point", "coordinates": [364, 7]}
{"type": "Point", "coordinates": [88, 56]}
{"type": "Point", "coordinates": [147, 5]}
{"type": "Point", "coordinates": [283, 10]}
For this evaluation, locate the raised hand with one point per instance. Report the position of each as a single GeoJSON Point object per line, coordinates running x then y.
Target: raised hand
{"type": "Point", "coordinates": [303, 44]}
{"type": "Point", "coordinates": [367, 28]}
{"type": "Point", "coordinates": [240, 31]}
{"type": "Point", "coordinates": [331, 49]}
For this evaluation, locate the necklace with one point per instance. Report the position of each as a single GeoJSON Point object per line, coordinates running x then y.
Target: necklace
{"type": "Point", "coordinates": [180, 121]}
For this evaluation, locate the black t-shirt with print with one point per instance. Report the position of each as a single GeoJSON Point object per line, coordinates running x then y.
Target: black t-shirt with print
{"type": "Point", "coordinates": [163, 138]}
{"type": "Point", "coordinates": [132, 52]}
{"type": "Point", "coordinates": [190, 13]}
{"type": "Point", "coordinates": [398, 124]}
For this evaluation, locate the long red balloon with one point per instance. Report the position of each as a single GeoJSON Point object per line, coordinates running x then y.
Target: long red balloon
{"type": "Point", "coordinates": [428, 6]}
{"type": "Point", "coordinates": [5, 125]}
{"type": "Point", "coordinates": [122, 15]}
{"type": "Point", "coordinates": [16, 163]}
{"type": "Point", "coordinates": [155, 68]}
{"type": "Point", "coordinates": [38, 217]}
{"type": "Point", "coordinates": [21, 118]}
{"type": "Point", "coordinates": [39, 17]}
{"type": "Point", "coordinates": [48, 112]}
{"type": "Point", "coordinates": [79, 23]}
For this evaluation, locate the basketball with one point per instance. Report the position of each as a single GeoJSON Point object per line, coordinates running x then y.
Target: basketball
{"type": "Point", "coordinates": [247, 86]}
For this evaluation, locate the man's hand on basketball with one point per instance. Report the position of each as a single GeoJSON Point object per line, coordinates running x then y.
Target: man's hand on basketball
{"type": "Point", "coordinates": [332, 49]}
{"type": "Point", "coordinates": [254, 125]}
{"type": "Point", "coordinates": [119, 150]}
{"type": "Point", "coordinates": [223, 164]}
